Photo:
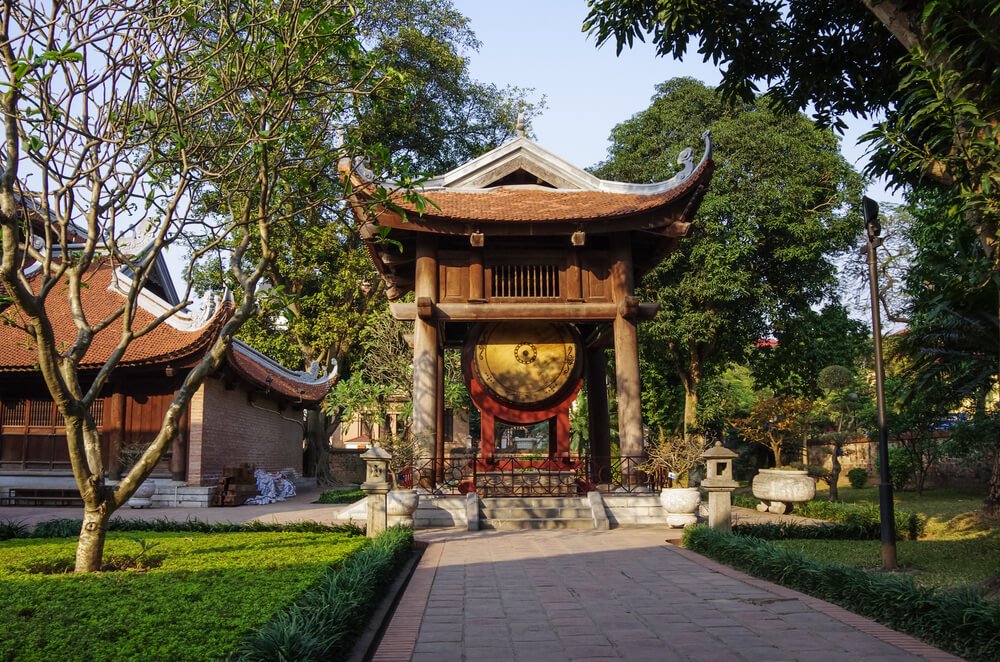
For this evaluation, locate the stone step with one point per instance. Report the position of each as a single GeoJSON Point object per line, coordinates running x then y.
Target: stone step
{"type": "Point", "coordinates": [555, 523]}
{"type": "Point", "coordinates": [536, 513]}
{"type": "Point", "coordinates": [534, 502]}
{"type": "Point", "coordinates": [566, 512]}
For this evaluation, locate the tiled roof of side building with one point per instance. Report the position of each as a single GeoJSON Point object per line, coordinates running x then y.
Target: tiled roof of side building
{"type": "Point", "coordinates": [298, 387]}
{"type": "Point", "coordinates": [99, 299]}
{"type": "Point", "coordinates": [182, 340]}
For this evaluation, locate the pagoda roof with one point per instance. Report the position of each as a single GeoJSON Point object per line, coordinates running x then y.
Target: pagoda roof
{"type": "Point", "coordinates": [520, 184]}
{"type": "Point", "coordinates": [180, 341]}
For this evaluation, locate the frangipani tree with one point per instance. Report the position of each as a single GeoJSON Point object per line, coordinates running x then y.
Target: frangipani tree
{"type": "Point", "coordinates": [116, 116]}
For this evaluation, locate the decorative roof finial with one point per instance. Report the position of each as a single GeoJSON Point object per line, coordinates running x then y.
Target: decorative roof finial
{"type": "Point", "coordinates": [519, 127]}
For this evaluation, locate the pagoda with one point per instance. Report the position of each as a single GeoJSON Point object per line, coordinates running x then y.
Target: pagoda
{"type": "Point", "coordinates": [529, 264]}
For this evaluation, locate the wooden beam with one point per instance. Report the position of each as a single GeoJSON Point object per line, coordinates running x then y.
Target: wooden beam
{"type": "Point", "coordinates": [478, 312]}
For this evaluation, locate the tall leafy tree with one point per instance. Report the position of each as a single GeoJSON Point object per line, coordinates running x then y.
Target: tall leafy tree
{"type": "Point", "coordinates": [115, 118]}
{"type": "Point", "coordinates": [425, 115]}
{"type": "Point", "coordinates": [777, 209]}
{"type": "Point", "coordinates": [932, 66]}
{"type": "Point", "coordinates": [807, 342]}
{"type": "Point", "coordinates": [948, 353]}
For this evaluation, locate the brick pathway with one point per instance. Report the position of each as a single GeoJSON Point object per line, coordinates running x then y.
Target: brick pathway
{"type": "Point", "coordinates": [611, 595]}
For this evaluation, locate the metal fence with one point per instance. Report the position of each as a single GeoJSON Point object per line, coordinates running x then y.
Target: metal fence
{"type": "Point", "coordinates": [526, 476]}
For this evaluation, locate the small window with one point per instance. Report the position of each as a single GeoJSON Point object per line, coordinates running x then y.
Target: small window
{"type": "Point", "coordinates": [526, 281]}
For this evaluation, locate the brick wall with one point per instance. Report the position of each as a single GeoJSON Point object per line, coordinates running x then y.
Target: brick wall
{"type": "Point", "coordinates": [346, 466]}
{"type": "Point", "coordinates": [227, 431]}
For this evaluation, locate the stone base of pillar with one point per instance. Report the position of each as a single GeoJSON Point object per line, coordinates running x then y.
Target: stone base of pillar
{"type": "Point", "coordinates": [377, 516]}
{"type": "Point", "coordinates": [720, 510]}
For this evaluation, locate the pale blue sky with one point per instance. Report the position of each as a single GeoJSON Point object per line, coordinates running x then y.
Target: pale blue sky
{"type": "Point", "coordinates": [540, 44]}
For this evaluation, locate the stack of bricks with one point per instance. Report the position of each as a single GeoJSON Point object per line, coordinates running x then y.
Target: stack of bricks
{"type": "Point", "coordinates": [235, 487]}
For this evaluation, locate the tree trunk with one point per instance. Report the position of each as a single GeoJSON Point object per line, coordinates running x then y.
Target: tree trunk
{"type": "Point", "coordinates": [991, 506]}
{"type": "Point", "coordinates": [315, 461]}
{"type": "Point", "coordinates": [690, 410]}
{"type": "Point", "coordinates": [90, 548]}
{"type": "Point", "coordinates": [691, 378]}
{"type": "Point", "coordinates": [835, 472]}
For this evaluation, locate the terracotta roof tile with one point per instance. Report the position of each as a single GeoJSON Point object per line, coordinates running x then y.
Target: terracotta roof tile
{"type": "Point", "coordinates": [163, 344]}
{"type": "Point", "coordinates": [513, 204]}
{"type": "Point", "coordinates": [265, 373]}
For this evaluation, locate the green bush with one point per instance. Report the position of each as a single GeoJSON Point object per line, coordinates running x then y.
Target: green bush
{"type": "Point", "coordinates": [324, 621]}
{"type": "Point", "coordinates": [70, 528]}
{"type": "Point", "coordinates": [901, 466]}
{"type": "Point", "coordinates": [788, 531]}
{"type": "Point", "coordinates": [959, 621]}
{"type": "Point", "coordinates": [908, 525]}
{"type": "Point", "coordinates": [858, 477]}
{"type": "Point", "coordinates": [745, 501]}
{"type": "Point", "coordinates": [340, 496]}
{"type": "Point", "coordinates": [11, 529]}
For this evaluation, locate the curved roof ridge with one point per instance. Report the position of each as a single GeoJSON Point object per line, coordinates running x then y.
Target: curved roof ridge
{"type": "Point", "coordinates": [481, 173]}
{"type": "Point", "coordinates": [265, 372]}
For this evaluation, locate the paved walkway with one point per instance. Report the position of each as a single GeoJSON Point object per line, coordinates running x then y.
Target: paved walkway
{"type": "Point", "coordinates": [544, 596]}
{"type": "Point", "coordinates": [612, 595]}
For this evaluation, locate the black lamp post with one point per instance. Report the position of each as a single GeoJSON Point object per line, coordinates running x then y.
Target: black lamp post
{"type": "Point", "coordinates": [870, 209]}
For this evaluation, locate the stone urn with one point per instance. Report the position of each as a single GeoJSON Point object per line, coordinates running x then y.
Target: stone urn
{"type": "Point", "coordinates": [680, 505]}
{"type": "Point", "coordinates": [143, 495]}
{"type": "Point", "coordinates": [400, 506]}
{"type": "Point", "coordinates": [779, 489]}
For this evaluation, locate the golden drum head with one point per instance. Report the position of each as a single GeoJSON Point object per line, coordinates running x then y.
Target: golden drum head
{"type": "Point", "coordinates": [526, 363]}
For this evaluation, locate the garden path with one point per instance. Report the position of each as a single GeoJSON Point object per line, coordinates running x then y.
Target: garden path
{"type": "Point", "coordinates": [613, 595]}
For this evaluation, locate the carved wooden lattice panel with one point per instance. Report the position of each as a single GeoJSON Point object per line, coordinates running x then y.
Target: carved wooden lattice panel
{"type": "Point", "coordinates": [525, 281]}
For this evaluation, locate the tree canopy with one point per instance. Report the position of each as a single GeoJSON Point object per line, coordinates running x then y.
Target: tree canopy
{"type": "Point", "coordinates": [780, 205]}
{"type": "Point", "coordinates": [170, 121]}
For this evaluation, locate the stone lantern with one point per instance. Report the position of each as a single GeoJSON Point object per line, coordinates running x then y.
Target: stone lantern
{"type": "Point", "coordinates": [719, 484]}
{"type": "Point", "coordinates": [376, 487]}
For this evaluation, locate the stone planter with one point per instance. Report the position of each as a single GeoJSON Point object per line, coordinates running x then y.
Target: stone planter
{"type": "Point", "coordinates": [143, 496]}
{"type": "Point", "coordinates": [400, 506]}
{"type": "Point", "coordinates": [680, 505]}
{"type": "Point", "coordinates": [779, 489]}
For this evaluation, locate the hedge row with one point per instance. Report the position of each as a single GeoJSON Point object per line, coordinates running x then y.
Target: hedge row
{"type": "Point", "coordinates": [323, 623]}
{"type": "Point", "coordinates": [789, 531]}
{"type": "Point", "coordinates": [962, 622]}
{"type": "Point", "coordinates": [860, 518]}
{"type": "Point", "coordinates": [70, 528]}
{"type": "Point", "coordinates": [340, 496]}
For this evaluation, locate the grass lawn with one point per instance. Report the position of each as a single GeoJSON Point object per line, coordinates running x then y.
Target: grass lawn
{"type": "Point", "coordinates": [210, 591]}
{"type": "Point", "coordinates": [960, 548]}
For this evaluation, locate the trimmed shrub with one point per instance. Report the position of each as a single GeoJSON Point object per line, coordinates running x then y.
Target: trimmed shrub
{"type": "Point", "coordinates": [788, 531]}
{"type": "Point", "coordinates": [340, 496]}
{"type": "Point", "coordinates": [963, 622]}
{"type": "Point", "coordinates": [902, 468]}
{"type": "Point", "coordinates": [70, 528]}
{"type": "Point", "coordinates": [908, 525]}
{"type": "Point", "coordinates": [857, 477]}
{"type": "Point", "coordinates": [323, 623]}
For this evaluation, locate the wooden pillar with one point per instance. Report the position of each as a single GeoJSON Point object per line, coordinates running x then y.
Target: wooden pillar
{"type": "Point", "coordinates": [599, 416]}
{"type": "Point", "coordinates": [116, 433]}
{"type": "Point", "coordinates": [562, 427]}
{"type": "Point", "coordinates": [487, 430]}
{"type": "Point", "coordinates": [574, 280]}
{"type": "Point", "coordinates": [476, 284]}
{"type": "Point", "coordinates": [425, 349]}
{"type": "Point", "coordinates": [439, 420]}
{"type": "Point", "coordinates": [626, 353]}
